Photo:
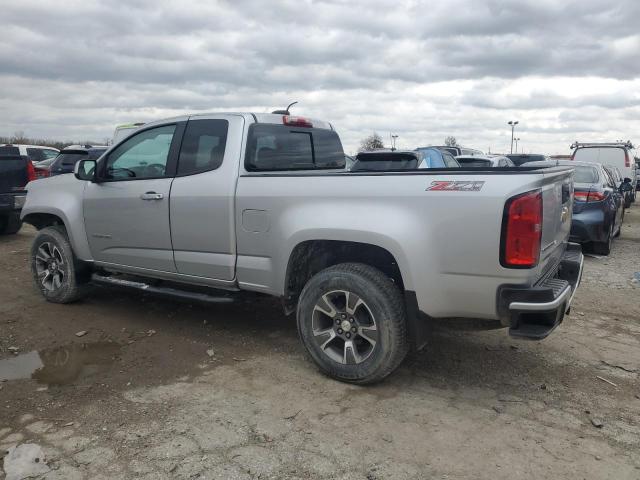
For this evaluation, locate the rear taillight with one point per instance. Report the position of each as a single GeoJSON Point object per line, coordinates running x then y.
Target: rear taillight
{"type": "Point", "coordinates": [31, 172]}
{"type": "Point", "coordinates": [42, 172]}
{"type": "Point", "coordinates": [296, 121]}
{"type": "Point", "coordinates": [627, 160]}
{"type": "Point", "coordinates": [522, 231]}
{"type": "Point", "coordinates": [588, 196]}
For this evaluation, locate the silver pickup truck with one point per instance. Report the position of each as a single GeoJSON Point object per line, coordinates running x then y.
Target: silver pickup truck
{"type": "Point", "coordinates": [206, 205]}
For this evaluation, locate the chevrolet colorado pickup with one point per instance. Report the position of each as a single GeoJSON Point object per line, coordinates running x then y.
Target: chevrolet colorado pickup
{"type": "Point", "coordinates": [201, 204]}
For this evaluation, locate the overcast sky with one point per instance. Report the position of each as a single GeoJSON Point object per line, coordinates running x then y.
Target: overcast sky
{"type": "Point", "coordinates": [423, 70]}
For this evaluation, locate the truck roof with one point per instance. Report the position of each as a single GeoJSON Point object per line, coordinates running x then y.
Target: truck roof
{"type": "Point", "coordinates": [268, 118]}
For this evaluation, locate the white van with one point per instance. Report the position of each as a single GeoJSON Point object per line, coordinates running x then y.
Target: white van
{"type": "Point", "coordinates": [617, 155]}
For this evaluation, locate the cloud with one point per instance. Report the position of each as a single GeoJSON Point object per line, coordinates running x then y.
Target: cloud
{"type": "Point", "coordinates": [74, 69]}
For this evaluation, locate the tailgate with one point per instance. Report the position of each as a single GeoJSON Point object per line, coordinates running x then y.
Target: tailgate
{"type": "Point", "coordinates": [557, 203]}
{"type": "Point", "coordinates": [13, 174]}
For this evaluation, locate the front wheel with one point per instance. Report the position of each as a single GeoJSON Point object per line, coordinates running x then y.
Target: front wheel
{"type": "Point", "coordinates": [352, 322]}
{"type": "Point", "coordinates": [56, 272]}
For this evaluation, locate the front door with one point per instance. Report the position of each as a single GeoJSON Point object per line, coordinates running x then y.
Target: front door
{"type": "Point", "coordinates": [127, 210]}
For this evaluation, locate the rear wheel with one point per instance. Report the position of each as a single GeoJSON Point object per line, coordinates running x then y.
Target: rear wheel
{"type": "Point", "coordinates": [10, 224]}
{"type": "Point", "coordinates": [57, 274]}
{"type": "Point", "coordinates": [352, 322]}
{"type": "Point", "coordinates": [604, 248]}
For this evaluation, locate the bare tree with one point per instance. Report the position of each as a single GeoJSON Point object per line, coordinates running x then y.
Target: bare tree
{"type": "Point", "coordinates": [451, 141]}
{"type": "Point", "coordinates": [372, 142]}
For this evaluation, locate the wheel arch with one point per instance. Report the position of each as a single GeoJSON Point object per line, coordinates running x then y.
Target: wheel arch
{"type": "Point", "coordinates": [311, 256]}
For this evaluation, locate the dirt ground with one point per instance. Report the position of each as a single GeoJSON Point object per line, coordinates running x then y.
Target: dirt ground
{"type": "Point", "coordinates": [159, 388]}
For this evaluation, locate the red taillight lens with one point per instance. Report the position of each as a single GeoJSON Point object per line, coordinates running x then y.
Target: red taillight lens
{"type": "Point", "coordinates": [522, 231]}
{"type": "Point", "coordinates": [627, 161]}
{"type": "Point", "coordinates": [31, 172]}
{"type": "Point", "coordinates": [296, 121]}
{"type": "Point", "coordinates": [588, 196]}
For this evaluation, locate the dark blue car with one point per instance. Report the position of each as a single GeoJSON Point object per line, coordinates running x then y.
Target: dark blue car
{"type": "Point", "coordinates": [68, 157]}
{"type": "Point", "coordinates": [598, 205]}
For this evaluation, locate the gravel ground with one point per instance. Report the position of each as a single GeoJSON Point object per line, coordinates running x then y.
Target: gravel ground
{"type": "Point", "coordinates": [156, 388]}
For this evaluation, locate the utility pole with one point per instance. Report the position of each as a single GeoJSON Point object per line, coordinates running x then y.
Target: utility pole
{"type": "Point", "coordinates": [513, 126]}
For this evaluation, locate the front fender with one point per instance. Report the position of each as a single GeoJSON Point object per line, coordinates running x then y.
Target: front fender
{"type": "Point", "coordinates": [60, 196]}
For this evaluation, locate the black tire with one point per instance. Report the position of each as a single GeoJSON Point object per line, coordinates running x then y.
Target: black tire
{"type": "Point", "coordinates": [380, 317]}
{"type": "Point", "coordinates": [52, 254]}
{"type": "Point", "coordinates": [604, 248]}
{"type": "Point", "coordinates": [10, 225]}
{"type": "Point", "coordinates": [627, 201]}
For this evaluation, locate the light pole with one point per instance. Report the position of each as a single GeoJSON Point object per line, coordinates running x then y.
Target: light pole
{"type": "Point", "coordinates": [513, 126]}
{"type": "Point", "coordinates": [393, 141]}
{"type": "Point", "coordinates": [516, 140]}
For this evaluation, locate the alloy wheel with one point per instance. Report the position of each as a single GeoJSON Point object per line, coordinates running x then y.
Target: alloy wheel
{"type": "Point", "coordinates": [50, 266]}
{"type": "Point", "coordinates": [344, 327]}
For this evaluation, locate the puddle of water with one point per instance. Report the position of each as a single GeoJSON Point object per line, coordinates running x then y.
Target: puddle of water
{"type": "Point", "coordinates": [60, 365]}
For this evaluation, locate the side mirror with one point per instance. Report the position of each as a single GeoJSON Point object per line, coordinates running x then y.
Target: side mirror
{"type": "Point", "coordinates": [626, 180]}
{"type": "Point", "coordinates": [85, 170]}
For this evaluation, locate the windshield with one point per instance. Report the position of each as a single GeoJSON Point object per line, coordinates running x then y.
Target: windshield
{"type": "Point", "coordinates": [385, 161]}
{"type": "Point", "coordinates": [473, 162]}
{"type": "Point", "coordinates": [520, 159]}
{"type": "Point", "coordinates": [585, 175]}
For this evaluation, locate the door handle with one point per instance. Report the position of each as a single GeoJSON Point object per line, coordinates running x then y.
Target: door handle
{"type": "Point", "coordinates": [152, 196]}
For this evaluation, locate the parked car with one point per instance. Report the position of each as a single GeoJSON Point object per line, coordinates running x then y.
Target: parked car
{"type": "Point", "coordinates": [37, 154]}
{"type": "Point", "coordinates": [257, 202]}
{"type": "Point", "coordinates": [521, 158]}
{"type": "Point", "coordinates": [456, 151]}
{"type": "Point", "coordinates": [389, 160]}
{"type": "Point", "coordinates": [123, 131]}
{"type": "Point", "coordinates": [492, 161]}
{"type": "Point", "coordinates": [598, 207]}
{"type": "Point", "coordinates": [617, 154]}
{"type": "Point", "coordinates": [69, 156]}
{"type": "Point", "coordinates": [43, 167]}
{"type": "Point", "coordinates": [436, 158]}
{"type": "Point", "coordinates": [16, 171]}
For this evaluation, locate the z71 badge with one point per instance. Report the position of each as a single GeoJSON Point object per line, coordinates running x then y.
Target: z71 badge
{"type": "Point", "coordinates": [459, 186]}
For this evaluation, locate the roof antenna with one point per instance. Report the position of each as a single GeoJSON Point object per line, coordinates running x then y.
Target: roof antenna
{"type": "Point", "coordinates": [284, 112]}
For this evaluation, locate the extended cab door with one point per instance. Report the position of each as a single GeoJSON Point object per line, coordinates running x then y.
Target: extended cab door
{"type": "Point", "coordinates": [203, 197]}
{"type": "Point", "coordinates": [126, 211]}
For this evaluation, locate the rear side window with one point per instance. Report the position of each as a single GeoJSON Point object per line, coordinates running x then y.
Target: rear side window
{"type": "Point", "coordinates": [35, 154]}
{"type": "Point", "coordinates": [9, 151]}
{"type": "Point", "coordinates": [275, 147]}
{"type": "Point", "coordinates": [203, 146]}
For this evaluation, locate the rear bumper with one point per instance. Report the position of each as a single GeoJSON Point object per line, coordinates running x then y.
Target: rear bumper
{"type": "Point", "coordinates": [534, 312]}
{"type": "Point", "coordinates": [12, 202]}
{"type": "Point", "coordinates": [588, 226]}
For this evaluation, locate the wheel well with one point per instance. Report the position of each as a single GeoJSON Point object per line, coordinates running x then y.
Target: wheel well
{"type": "Point", "coordinates": [310, 257]}
{"type": "Point", "coordinates": [42, 220]}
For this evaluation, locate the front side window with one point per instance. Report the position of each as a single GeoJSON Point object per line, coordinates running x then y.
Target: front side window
{"type": "Point", "coordinates": [203, 146]}
{"type": "Point", "coordinates": [275, 147]}
{"type": "Point", "coordinates": [144, 155]}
